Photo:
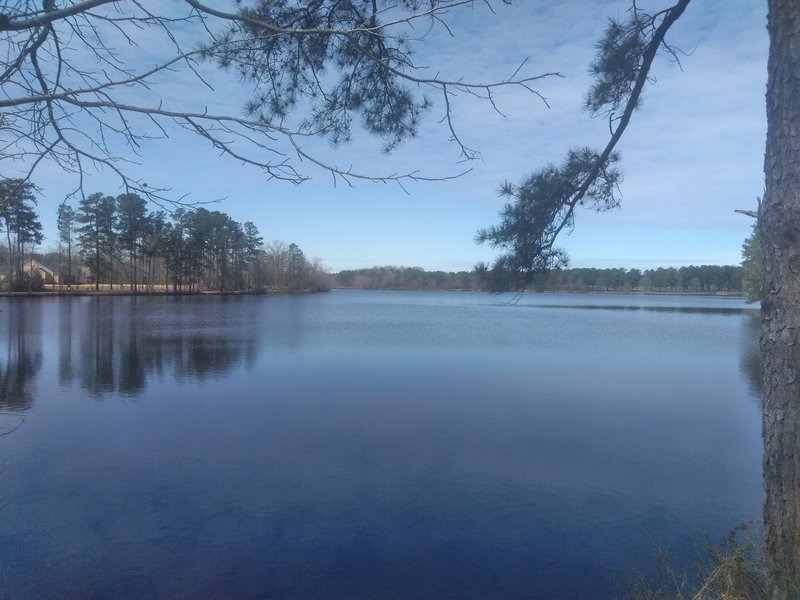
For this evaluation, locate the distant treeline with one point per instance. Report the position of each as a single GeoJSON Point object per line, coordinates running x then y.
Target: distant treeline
{"type": "Point", "coordinates": [405, 278]}
{"type": "Point", "coordinates": [117, 241]}
{"type": "Point", "coordinates": [704, 278]}
{"type": "Point", "coordinates": [694, 279]}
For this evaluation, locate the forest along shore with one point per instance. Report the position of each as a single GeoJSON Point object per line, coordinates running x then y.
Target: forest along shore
{"type": "Point", "coordinates": [90, 291]}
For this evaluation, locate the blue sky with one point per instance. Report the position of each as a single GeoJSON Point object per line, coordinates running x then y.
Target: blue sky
{"type": "Point", "coordinates": [692, 154]}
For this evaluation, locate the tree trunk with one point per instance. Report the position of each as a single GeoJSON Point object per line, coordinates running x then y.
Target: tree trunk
{"type": "Point", "coordinates": [10, 259]}
{"type": "Point", "coordinates": [97, 269]}
{"type": "Point", "coordinates": [132, 254]}
{"type": "Point", "coordinates": [779, 227]}
{"type": "Point", "coordinates": [69, 262]}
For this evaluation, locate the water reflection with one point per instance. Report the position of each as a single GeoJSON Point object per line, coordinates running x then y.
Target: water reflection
{"type": "Point", "coordinates": [118, 344]}
{"type": "Point", "coordinates": [701, 310]}
{"type": "Point", "coordinates": [367, 444]}
{"type": "Point", "coordinates": [21, 362]}
{"type": "Point", "coordinates": [115, 345]}
{"type": "Point", "coordinates": [750, 356]}
{"type": "Point", "coordinates": [96, 349]}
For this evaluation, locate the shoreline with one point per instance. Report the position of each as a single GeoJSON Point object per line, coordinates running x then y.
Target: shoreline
{"type": "Point", "coordinates": [575, 292]}
{"type": "Point", "coordinates": [50, 293]}
{"type": "Point", "coordinates": [128, 293]}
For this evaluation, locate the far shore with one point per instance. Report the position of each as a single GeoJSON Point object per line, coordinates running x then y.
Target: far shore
{"type": "Point", "coordinates": [53, 291]}
{"type": "Point", "coordinates": [573, 292]}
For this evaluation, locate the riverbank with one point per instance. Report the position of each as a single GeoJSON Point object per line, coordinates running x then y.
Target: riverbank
{"type": "Point", "coordinates": [54, 291]}
{"type": "Point", "coordinates": [558, 291]}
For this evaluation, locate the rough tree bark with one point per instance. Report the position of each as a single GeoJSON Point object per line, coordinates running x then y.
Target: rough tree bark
{"type": "Point", "coordinates": [779, 228]}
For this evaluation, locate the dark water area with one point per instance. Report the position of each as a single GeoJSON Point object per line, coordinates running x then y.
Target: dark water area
{"type": "Point", "coordinates": [370, 444]}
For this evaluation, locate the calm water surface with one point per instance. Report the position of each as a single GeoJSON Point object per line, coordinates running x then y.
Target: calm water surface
{"type": "Point", "coordinates": [369, 444]}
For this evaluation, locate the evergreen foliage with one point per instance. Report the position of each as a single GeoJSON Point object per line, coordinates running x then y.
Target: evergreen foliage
{"type": "Point", "coordinates": [65, 221]}
{"type": "Point", "coordinates": [617, 64]}
{"type": "Point", "coordinates": [540, 208]}
{"type": "Point", "coordinates": [751, 265]}
{"type": "Point", "coordinates": [405, 278]}
{"type": "Point", "coordinates": [703, 279]}
{"type": "Point", "coordinates": [96, 217]}
{"type": "Point", "coordinates": [119, 239]}
{"type": "Point", "coordinates": [187, 251]}
{"type": "Point", "coordinates": [544, 204]}
{"type": "Point", "coordinates": [22, 228]}
{"type": "Point", "coordinates": [366, 83]}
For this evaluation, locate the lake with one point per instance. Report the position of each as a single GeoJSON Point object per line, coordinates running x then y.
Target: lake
{"type": "Point", "coordinates": [367, 444]}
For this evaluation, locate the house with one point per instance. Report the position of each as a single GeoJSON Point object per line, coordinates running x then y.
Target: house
{"type": "Point", "coordinates": [34, 267]}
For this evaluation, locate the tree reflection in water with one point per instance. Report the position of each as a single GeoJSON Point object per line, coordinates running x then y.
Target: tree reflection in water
{"type": "Point", "coordinates": [21, 326]}
{"type": "Point", "coordinates": [114, 345]}
{"type": "Point", "coordinates": [415, 420]}
{"type": "Point", "coordinates": [126, 341]}
{"type": "Point", "coordinates": [750, 356]}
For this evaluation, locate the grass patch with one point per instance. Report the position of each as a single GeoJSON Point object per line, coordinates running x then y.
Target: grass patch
{"type": "Point", "coordinates": [732, 570]}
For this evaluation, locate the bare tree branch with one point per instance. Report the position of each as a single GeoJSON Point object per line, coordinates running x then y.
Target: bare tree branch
{"type": "Point", "coordinates": [544, 205]}
{"type": "Point", "coordinates": [73, 75]}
